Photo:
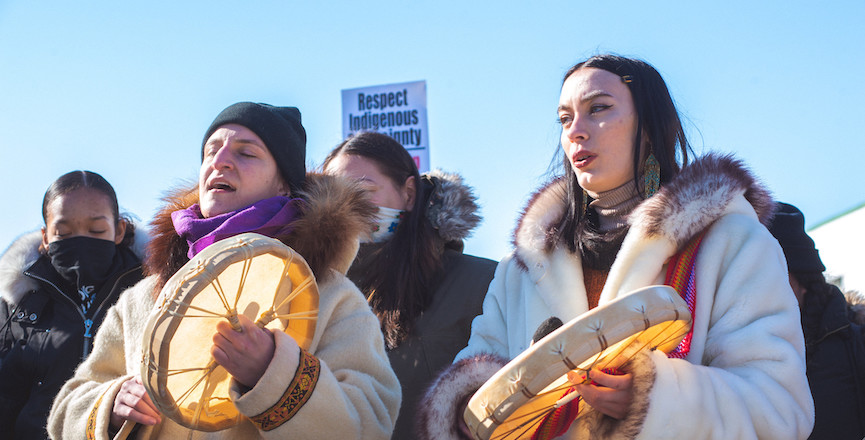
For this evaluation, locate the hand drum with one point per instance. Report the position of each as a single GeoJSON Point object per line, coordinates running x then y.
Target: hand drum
{"type": "Point", "coordinates": [247, 274]}
{"type": "Point", "coordinates": [512, 403]}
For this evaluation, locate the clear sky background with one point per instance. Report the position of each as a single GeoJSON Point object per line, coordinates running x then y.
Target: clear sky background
{"type": "Point", "coordinates": [127, 89]}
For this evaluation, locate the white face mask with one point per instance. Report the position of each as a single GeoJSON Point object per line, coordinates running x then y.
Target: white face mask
{"type": "Point", "coordinates": [387, 221]}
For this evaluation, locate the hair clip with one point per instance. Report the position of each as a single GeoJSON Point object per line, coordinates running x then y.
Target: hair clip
{"type": "Point", "coordinates": [627, 79]}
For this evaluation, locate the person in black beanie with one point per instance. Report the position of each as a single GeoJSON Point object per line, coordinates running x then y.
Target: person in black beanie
{"type": "Point", "coordinates": [252, 179]}
{"type": "Point", "coordinates": [281, 130]}
{"type": "Point", "coordinates": [834, 343]}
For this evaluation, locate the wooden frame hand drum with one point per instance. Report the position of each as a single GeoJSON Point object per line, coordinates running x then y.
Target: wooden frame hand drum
{"type": "Point", "coordinates": [248, 274]}
{"type": "Point", "coordinates": [511, 404]}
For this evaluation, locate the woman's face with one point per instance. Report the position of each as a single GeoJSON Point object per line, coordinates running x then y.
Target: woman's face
{"type": "Point", "coordinates": [599, 124]}
{"type": "Point", "coordinates": [83, 212]}
{"type": "Point", "coordinates": [383, 191]}
{"type": "Point", "coordinates": [237, 171]}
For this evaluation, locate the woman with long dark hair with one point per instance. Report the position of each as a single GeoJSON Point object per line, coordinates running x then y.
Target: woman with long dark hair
{"type": "Point", "coordinates": [628, 201]}
{"type": "Point", "coordinates": [421, 286]}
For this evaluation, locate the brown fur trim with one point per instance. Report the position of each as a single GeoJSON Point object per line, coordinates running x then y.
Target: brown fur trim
{"type": "Point", "coordinates": [698, 196]}
{"type": "Point", "coordinates": [437, 415]}
{"type": "Point", "coordinates": [336, 212]}
{"type": "Point", "coordinates": [166, 251]}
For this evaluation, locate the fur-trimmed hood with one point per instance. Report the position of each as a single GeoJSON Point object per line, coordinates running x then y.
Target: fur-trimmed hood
{"type": "Point", "coordinates": [698, 196]}
{"type": "Point", "coordinates": [453, 209]}
{"type": "Point", "coordinates": [24, 251]}
{"type": "Point", "coordinates": [335, 214]}
{"type": "Point", "coordinates": [856, 303]}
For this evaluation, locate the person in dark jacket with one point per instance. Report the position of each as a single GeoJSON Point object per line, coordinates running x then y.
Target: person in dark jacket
{"type": "Point", "coordinates": [55, 288]}
{"type": "Point", "coordinates": [834, 342]}
{"type": "Point", "coordinates": [421, 286]}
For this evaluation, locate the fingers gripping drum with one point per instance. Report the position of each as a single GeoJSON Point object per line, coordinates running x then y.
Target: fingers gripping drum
{"type": "Point", "coordinates": [513, 402]}
{"type": "Point", "coordinates": [250, 275]}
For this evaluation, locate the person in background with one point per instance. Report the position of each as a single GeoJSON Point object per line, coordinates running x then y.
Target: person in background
{"type": "Point", "coordinates": [628, 201]}
{"type": "Point", "coordinates": [55, 289]}
{"type": "Point", "coordinates": [834, 333]}
{"type": "Point", "coordinates": [421, 286]}
{"type": "Point", "coordinates": [252, 178]}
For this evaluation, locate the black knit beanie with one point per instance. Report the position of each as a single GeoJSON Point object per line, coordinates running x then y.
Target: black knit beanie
{"type": "Point", "coordinates": [279, 128]}
{"type": "Point", "coordinates": [788, 227]}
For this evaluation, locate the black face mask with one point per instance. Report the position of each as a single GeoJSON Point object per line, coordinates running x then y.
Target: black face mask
{"type": "Point", "coordinates": [83, 261]}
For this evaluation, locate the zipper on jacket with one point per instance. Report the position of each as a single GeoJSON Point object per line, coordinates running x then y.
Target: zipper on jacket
{"type": "Point", "coordinates": [88, 323]}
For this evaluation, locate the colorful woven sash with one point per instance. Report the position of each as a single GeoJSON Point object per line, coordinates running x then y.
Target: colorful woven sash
{"type": "Point", "coordinates": [681, 276]}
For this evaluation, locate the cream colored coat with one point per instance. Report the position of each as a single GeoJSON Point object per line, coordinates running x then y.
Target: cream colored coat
{"type": "Point", "coordinates": [357, 395]}
{"type": "Point", "coordinates": [357, 387]}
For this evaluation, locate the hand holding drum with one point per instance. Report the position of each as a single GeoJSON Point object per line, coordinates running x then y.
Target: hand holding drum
{"type": "Point", "coordinates": [513, 402]}
{"type": "Point", "coordinates": [214, 322]}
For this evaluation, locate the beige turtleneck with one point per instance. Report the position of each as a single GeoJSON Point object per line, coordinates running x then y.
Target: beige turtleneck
{"type": "Point", "coordinates": [613, 206]}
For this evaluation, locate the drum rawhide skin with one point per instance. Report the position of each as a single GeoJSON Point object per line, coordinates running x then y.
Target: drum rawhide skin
{"type": "Point", "coordinates": [248, 274]}
{"type": "Point", "coordinates": [512, 403]}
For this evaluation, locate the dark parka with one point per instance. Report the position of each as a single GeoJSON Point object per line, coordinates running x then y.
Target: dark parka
{"type": "Point", "coordinates": [45, 335]}
{"type": "Point", "coordinates": [835, 356]}
{"type": "Point", "coordinates": [458, 294]}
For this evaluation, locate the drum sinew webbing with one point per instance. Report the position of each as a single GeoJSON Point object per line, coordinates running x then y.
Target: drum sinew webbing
{"type": "Point", "coordinates": [249, 274]}
{"type": "Point", "coordinates": [513, 402]}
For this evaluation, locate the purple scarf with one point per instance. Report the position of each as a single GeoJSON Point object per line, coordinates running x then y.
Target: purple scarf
{"type": "Point", "coordinates": [272, 217]}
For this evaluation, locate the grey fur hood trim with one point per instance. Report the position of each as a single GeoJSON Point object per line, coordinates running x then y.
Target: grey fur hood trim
{"type": "Point", "coordinates": [439, 407]}
{"type": "Point", "coordinates": [856, 302]}
{"type": "Point", "coordinates": [24, 251]}
{"type": "Point", "coordinates": [453, 209]}
{"type": "Point", "coordinates": [693, 200]}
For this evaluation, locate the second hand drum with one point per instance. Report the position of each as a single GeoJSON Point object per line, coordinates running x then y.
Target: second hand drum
{"type": "Point", "coordinates": [512, 403]}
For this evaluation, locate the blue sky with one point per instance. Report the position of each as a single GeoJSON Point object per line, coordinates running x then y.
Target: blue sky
{"type": "Point", "coordinates": [127, 90]}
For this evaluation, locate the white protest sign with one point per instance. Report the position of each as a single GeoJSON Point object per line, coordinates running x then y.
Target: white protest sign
{"type": "Point", "coordinates": [397, 110]}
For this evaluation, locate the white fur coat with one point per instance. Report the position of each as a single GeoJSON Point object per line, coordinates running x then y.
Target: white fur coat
{"type": "Point", "coordinates": [744, 377]}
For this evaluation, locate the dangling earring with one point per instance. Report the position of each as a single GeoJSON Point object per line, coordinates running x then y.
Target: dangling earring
{"type": "Point", "coordinates": [651, 176]}
{"type": "Point", "coordinates": [584, 203]}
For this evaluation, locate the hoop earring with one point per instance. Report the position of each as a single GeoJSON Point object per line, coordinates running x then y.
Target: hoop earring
{"type": "Point", "coordinates": [651, 176]}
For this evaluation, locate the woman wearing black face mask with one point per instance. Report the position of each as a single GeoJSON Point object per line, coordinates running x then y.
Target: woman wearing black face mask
{"type": "Point", "coordinates": [55, 289]}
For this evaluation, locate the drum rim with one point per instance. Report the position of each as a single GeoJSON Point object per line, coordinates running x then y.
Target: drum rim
{"type": "Point", "coordinates": [485, 426]}
{"type": "Point", "coordinates": [221, 254]}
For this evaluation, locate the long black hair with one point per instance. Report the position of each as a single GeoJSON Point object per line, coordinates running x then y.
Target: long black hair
{"type": "Point", "coordinates": [397, 276]}
{"type": "Point", "coordinates": [659, 128]}
{"type": "Point", "coordinates": [74, 180]}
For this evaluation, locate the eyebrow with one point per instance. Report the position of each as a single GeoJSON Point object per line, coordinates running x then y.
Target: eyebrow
{"type": "Point", "coordinates": [245, 141]}
{"type": "Point", "coordinates": [594, 94]}
{"type": "Point", "coordinates": [251, 142]}
{"type": "Point", "coordinates": [587, 97]}
{"type": "Point", "coordinates": [63, 221]}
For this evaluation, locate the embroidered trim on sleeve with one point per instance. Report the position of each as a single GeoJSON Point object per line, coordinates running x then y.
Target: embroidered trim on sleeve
{"type": "Point", "coordinates": [91, 419]}
{"type": "Point", "coordinates": [296, 395]}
